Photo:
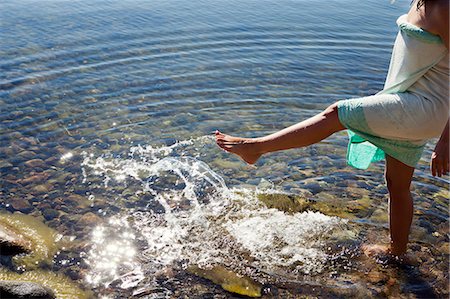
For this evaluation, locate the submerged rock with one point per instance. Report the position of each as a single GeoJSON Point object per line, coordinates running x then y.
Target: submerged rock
{"type": "Point", "coordinates": [42, 189]}
{"type": "Point", "coordinates": [50, 214]}
{"type": "Point", "coordinates": [38, 239]}
{"type": "Point", "coordinates": [58, 286]}
{"type": "Point", "coordinates": [376, 276]}
{"type": "Point", "coordinates": [332, 205]}
{"type": "Point", "coordinates": [445, 248]}
{"type": "Point", "coordinates": [5, 164]}
{"type": "Point", "coordinates": [34, 163]}
{"type": "Point", "coordinates": [229, 281]}
{"type": "Point", "coordinates": [27, 155]}
{"type": "Point", "coordinates": [380, 215]}
{"type": "Point", "coordinates": [285, 202]}
{"type": "Point", "coordinates": [12, 243]}
{"type": "Point", "coordinates": [19, 289]}
{"type": "Point", "coordinates": [20, 204]}
{"type": "Point", "coordinates": [36, 178]}
{"type": "Point", "coordinates": [327, 204]}
{"type": "Point", "coordinates": [88, 219]}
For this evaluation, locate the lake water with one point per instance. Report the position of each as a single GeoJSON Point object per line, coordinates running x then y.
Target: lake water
{"type": "Point", "coordinates": [107, 114]}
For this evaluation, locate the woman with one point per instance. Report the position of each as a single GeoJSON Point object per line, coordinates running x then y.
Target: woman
{"type": "Point", "coordinates": [395, 123]}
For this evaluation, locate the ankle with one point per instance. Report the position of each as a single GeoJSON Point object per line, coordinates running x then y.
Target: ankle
{"type": "Point", "coordinates": [397, 250]}
{"type": "Point", "coordinates": [258, 145]}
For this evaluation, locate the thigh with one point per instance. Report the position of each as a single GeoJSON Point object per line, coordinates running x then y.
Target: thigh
{"type": "Point", "coordinates": [401, 116]}
{"type": "Point", "coordinates": [404, 116]}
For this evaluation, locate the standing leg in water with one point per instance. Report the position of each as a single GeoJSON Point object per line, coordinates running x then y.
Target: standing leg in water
{"type": "Point", "coordinates": [398, 180]}
{"type": "Point", "coordinates": [301, 134]}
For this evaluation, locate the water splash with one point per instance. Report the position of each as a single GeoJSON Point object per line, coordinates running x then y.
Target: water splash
{"type": "Point", "coordinates": [113, 255]}
{"type": "Point", "coordinates": [201, 222]}
{"type": "Point", "coordinates": [278, 240]}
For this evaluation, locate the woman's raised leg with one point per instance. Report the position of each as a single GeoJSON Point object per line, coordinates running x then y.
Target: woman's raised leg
{"type": "Point", "coordinates": [301, 134]}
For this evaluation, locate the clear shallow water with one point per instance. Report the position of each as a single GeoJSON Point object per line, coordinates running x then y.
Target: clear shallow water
{"type": "Point", "coordinates": [101, 92]}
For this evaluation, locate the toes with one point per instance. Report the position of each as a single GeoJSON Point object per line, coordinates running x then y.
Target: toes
{"type": "Point", "coordinates": [225, 147]}
{"type": "Point", "coordinates": [227, 140]}
{"type": "Point", "coordinates": [218, 134]}
{"type": "Point", "coordinates": [220, 137]}
{"type": "Point", "coordinates": [222, 142]}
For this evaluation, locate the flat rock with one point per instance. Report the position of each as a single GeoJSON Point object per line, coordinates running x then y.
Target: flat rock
{"type": "Point", "coordinates": [89, 219]}
{"type": "Point", "coordinates": [19, 289]}
{"type": "Point", "coordinates": [285, 202]}
{"type": "Point", "coordinates": [27, 155]}
{"type": "Point", "coordinates": [21, 204]}
{"type": "Point", "coordinates": [42, 188]}
{"type": "Point", "coordinates": [50, 214]}
{"type": "Point", "coordinates": [5, 164]}
{"type": "Point", "coordinates": [376, 276]}
{"type": "Point", "coordinates": [35, 178]}
{"type": "Point", "coordinates": [229, 281]}
{"type": "Point", "coordinates": [445, 248]}
{"type": "Point", "coordinates": [30, 140]}
{"type": "Point", "coordinates": [35, 163]}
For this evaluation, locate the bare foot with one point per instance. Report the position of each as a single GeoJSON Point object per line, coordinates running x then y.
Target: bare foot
{"type": "Point", "coordinates": [383, 254]}
{"type": "Point", "coordinates": [243, 147]}
{"type": "Point", "coordinates": [375, 250]}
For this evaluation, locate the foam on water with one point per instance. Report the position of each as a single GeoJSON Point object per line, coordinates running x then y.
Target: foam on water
{"type": "Point", "coordinates": [279, 240]}
{"type": "Point", "coordinates": [203, 222]}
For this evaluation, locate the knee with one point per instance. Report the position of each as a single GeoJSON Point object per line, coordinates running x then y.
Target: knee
{"type": "Point", "coordinates": [396, 185]}
{"type": "Point", "coordinates": [331, 110]}
{"type": "Point", "coordinates": [332, 116]}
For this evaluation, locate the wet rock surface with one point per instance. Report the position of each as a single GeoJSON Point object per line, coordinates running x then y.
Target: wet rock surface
{"type": "Point", "coordinates": [12, 243]}
{"type": "Point", "coordinates": [31, 236]}
{"type": "Point", "coordinates": [5, 165]}
{"type": "Point", "coordinates": [20, 204]}
{"type": "Point", "coordinates": [43, 283]}
{"type": "Point", "coordinates": [29, 290]}
{"type": "Point", "coordinates": [88, 219]}
{"type": "Point", "coordinates": [35, 163]}
{"type": "Point", "coordinates": [285, 202]}
{"type": "Point", "coordinates": [229, 280]}
{"type": "Point", "coordinates": [50, 214]}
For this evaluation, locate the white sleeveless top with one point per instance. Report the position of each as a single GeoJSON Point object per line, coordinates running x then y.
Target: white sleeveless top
{"type": "Point", "coordinates": [419, 63]}
{"type": "Point", "coordinates": [412, 108]}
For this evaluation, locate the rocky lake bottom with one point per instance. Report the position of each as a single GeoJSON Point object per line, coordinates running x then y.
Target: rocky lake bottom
{"type": "Point", "coordinates": [112, 186]}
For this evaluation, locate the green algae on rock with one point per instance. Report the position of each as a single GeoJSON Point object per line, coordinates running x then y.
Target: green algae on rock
{"type": "Point", "coordinates": [284, 202]}
{"type": "Point", "coordinates": [38, 238]}
{"type": "Point", "coordinates": [62, 286]}
{"type": "Point", "coordinates": [11, 243]}
{"type": "Point", "coordinates": [327, 204]}
{"type": "Point", "coordinates": [229, 281]}
{"type": "Point", "coordinates": [332, 205]}
{"type": "Point", "coordinates": [441, 197]}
